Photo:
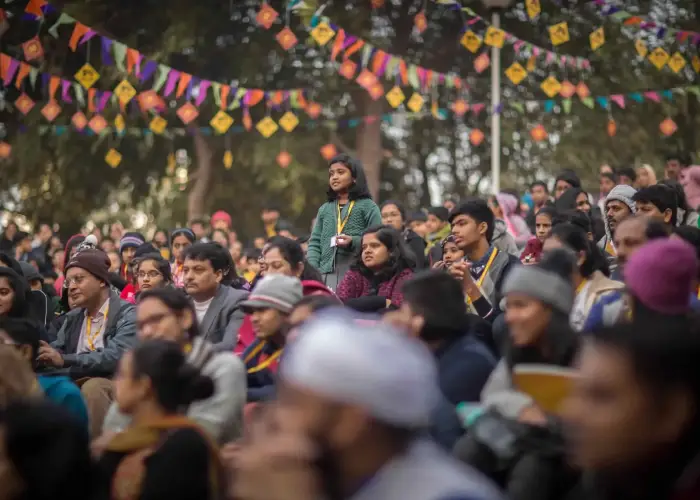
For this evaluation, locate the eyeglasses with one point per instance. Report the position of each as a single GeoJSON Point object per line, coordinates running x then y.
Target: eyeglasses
{"type": "Point", "coordinates": [76, 280]}
{"type": "Point", "coordinates": [151, 274]}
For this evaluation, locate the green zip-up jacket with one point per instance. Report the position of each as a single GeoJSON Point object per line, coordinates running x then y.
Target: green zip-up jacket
{"type": "Point", "coordinates": [364, 215]}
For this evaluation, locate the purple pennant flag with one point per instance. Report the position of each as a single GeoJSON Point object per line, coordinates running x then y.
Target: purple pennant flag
{"type": "Point", "coordinates": [45, 80]}
{"type": "Point", "coordinates": [173, 77]}
{"type": "Point", "coordinates": [65, 96]}
{"type": "Point", "coordinates": [12, 70]}
{"type": "Point", "coordinates": [148, 70]}
{"type": "Point", "coordinates": [202, 92]}
{"type": "Point", "coordinates": [349, 40]}
{"type": "Point", "coordinates": [106, 56]}
{"type": "Point", "coordinates": [193, 82]}
{"type": "Point", "coordinates": [87, 36]}
{"type": "Point", "coordinates": [103, 100]}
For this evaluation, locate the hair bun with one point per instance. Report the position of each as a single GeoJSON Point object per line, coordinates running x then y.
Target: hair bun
{"type": "Point", "coordinates": [195, 386]}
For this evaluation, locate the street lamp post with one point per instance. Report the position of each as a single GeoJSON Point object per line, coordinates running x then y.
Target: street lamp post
{"type": "Point", "coordinates": [496, 6]}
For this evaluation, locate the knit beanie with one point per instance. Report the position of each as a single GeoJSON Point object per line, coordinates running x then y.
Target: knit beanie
{"type": "Point", "coordinates": [623, 193]}
{"type": "Point", "coordinates": [221, 216]}
{"type": "Point", "coordinates": [93, 261]}
{"type": "Point", "coordinates": [540, 284]}
{"type": "Point", "coordinates": [661, 275]}
{"type": "Point", "coordinates": [131, 240]}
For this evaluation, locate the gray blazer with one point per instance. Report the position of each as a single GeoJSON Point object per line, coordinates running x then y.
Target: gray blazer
{"type": "Point", "coordinates": [223, 318]}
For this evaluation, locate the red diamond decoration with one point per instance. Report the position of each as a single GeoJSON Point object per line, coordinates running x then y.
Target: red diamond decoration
{"type": "Point", "coordinates": [376, 91]}
{"type": "Point", "coordinates": [5, 150]}
{"type": "Point", "coordinates": [460, 107]}
{"type": "Point", "coordinates": [79, 120]}
{"type": "Point", "coordinates": [32, 49]}
{"type": "Point", "coordinates": [286, 38]}
{"type": "Point", "coordinates": [187, 113]}
{"type": "Point", "coordinates": [366, 79]}
{"type": "Point", "coordinates": [329, 151]}
{"type": "Point", "coordinates": [420, 22]}
{"type": "Point", "coordinates": [668, 127]}
{"type": "Point", "coordinates": [612, 127]}
{"type": "Point", "coordinates": [24, 104]}
{"type": "Point", "coordinates": [284, 159]}
{"type": "Point", "coordinates": [567, 89]}
{"type": "Point", "coordinates": [97, 124]}
{"type": "Point", "coordinates": [313, 109]}
{"type": "Point", "coordinates": [266, 16]}
{"type": "Point", "coordinates": [476, 137]}
{"type": "Point", "coordinates": [51, 110]}
{"type": "Point", "coordinates": [538, 133]}
{"type": "Point", "coordinates": [582, 90]}
{"type": "Point", "coordinates": [348, 68]}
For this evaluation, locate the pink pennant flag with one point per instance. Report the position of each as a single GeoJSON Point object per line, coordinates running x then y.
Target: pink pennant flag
{"type": "Point", "coordinates": [104, 98]}
{"type": "Point", "coordinates": [563, 60]}
{"type": "Point", "coordinates": [550, 57]}
{"type": "Point", "coordinates": [87, 36]}
{"type": "Point", "coordinates": [202, 92]}
{"type": "Point", "coordinates": [478, 108]}
{"type": "Point", "coordinates": [618, 99]}
{"type": "Point", "coordinates": [173, 77]}
{"type": "Point", "coordinates": [11, 70]}
{"type": "Point", "coordinates": [518, 45]}
{"type": "Point", "coordinates": [472, 21]}
{"type": "Point", "coordinates": [652, 96]}
{"type": "Point", "coordinates": [536, 51]}
{"type": "Point", "coordinates": [65, 88]}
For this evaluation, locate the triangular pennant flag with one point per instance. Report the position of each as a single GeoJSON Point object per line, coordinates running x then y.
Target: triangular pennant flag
{"type": "Point", "coordinates": [636, 96]}
{"type": "Point", "coordinates": [132, 60]}
{"type": "Point", "coordinates": [588, 102]}
{"type": "Point", "coordinates": [34, 7]}
{"type": "Point", "coordinates": [618, 99]}
{"type": "Point", "coordinates": [161, 78]}
{"type": "Point", "coordinates": [62, 19]}
{"type": "Point", "coordinates": [548, 106]}
{"type": "Point", "coordinates": [185, 79]}
{"type": "Point", "coordinates": [566, 105]}
{"type": "Point", "coordinates": [652, 96]}
{"type": "Point", "coordinates": [78, 32]}
{"type": "Point", "coordinates": [119, 51]}
{"type": "Point", "coordinates": [603, 102]}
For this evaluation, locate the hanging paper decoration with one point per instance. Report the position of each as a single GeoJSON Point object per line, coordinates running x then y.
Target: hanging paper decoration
{"type": "Point", "coordinates": [328, 151]}
{"type": "Point", "coordinates": [415, 103]}
{"type": "Point", "coordinates": [533, 8]}
{"type": "Point", "coordinates": [97, 124]}
{"type": "Point", "coordinates": [113, 158]}
{"type": "Point", "coordinates": [495, 37]}
{"type": "Point", "coordinates": [658, 57]}
{"type": "Point", "coordinates": [289, 121]}
{"type": "Point", "coordinates": [366, 79]}
{"type": "Point", "coordinates": [376, 91]}
{"type": "Point", "coordinates": [567, 90]}
{"type": "Point", "coordinates": [668, 127]}
{"type": "Point", "coordinates": [348, 68]}
{"type": "Point", "coordinates": [676, 62]}
{"type": "Point", "coordinates": [597, 38]}
{"type": "Point", "coordinates": [79, 120]}
{"type": "Point", "coordinates": [125, 92]}
{"type": "Point", "coordinates": [284, 159]}
{"type": "Point", "coordinates": [221, 122]}
{"type": "Point", "coordinates": [24, 104]}
{"type": "Point", "coordinates": [32, 49]}
{"type": "Point", "coordinates": [286, 38]}
{"type": "Point", "coordinates": [531, 64]}
{"type": "Point", "coordinates": [377, 4]}
{"type": "Point", "coordinates": [158, 124]}
{"type": "Point", "coordinates": [267, 126]}
{"type": "Point", "coordinates": [51, 110]}
{"type": "Point", "coordinates": [516, 73]}
{"type": "Point", "coordinates": [582, 90]}
{"type": "Point", "coordinates": [322, 33]}
{"type": "Point", "coordinates": [119, 124]}
{"type": "Point", "coordinates": [696, 64]}
{"type": "Point", "coordinates": [395, 97]}
{"type": "Point", "coordinates": [559, 33]}
{"type": "Point", "coordinates": [313, 109]}
{"type": "Point", "coordinates": [612, 128]}
{"type": "Point", "coordinates": [187, 113]}
{"type": "Point", "coordinates": [228, 160]}
{"type": "Point", "coordinates": [420, 22]}
{"type": "Point", "coordinates": [266, 15]}
{"type": "Point", "coordinates": [87, 76]}
{"type": "Point", "coordinates": [538, 133]}
{"type": "Point", "coordinates": [551, 86]}
{"type": "Point", "coordinates": [482, 62]}
{"type": "Point", "coordinates": [476, 137]}
{"type": "Point", "coordinates": [471, 41]}
{"type": "Point", "coordinates": [460, 107]}
{"type": "Point", "coordinates": [5, 150]}
{"type": "Point", "coordinates": [641, 48]}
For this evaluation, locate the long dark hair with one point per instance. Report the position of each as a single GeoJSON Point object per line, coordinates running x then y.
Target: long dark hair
{"type": "Point", "coordinates": [400, 257]}
{"type": "Point", "coordinates": [161, 264]}
{"type": "Point", "coordinates": [359, 188]}
{"type": "Point", "coordinates": [20, 303]}
{"type": "Point", "coordinates": [177, 301]}
{"type": "Point", "coordinates": [292, 252]}
{"type": "Point", "coordinates": [576, 239]}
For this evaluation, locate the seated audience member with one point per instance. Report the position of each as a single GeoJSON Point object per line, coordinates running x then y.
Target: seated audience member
{"type": "Point", "coordinates": [394, 215]}
{"type": "Point", "coordinates": [619, 204]}
{"type": "Point", "coordinates": [250, 264]}
{"type": "Point", "coordinates": [416, 222]}
{"type": "Point", "coordinates": [437, 226]}
{"type": "Point", "coordinates": [268, 305]}
{"type": "Point", "coordinates": [168, 314]}
{"type": "Point", "coordinates": [627, 175]}
{"type": "Point", "coordinates": [483, 271]}
{"type": "Point", "coordinates": [217, 305]}
{"type": "Point", "coordinates": [285, 256]}
{"type": "Point", "coordinates": [161, 454]}
{"type": "Point", "coordinates": [306, 309]}
{"type": "Point", "coordinates": [151, 271]}
{"type": "Point", "coordinates": [686, 215]}
{"type": "Point", "coordinates": [23, 336]}
{"type": "Point", "coordinates": [567, 179]}
{"type": "Point", "coordinates": [451, 253]}
{"type": "Point", "coordinates": [374, 280]}
{"type": "Point", "coordinates": [658, 201]}
{"type": "Point", "coordinates": [95, 334]}
{"type": "Point", "coordinates": [543, 228]}
{"type": "Point", "coordinates": [180, 240]}
{"type": "Point", "coordinates": [505, 207]}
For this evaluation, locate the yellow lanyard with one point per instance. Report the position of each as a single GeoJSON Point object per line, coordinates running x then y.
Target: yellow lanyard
{"type": "Point", "coordinates": [265, 363]}
{"type": "Point", "coordinates": [88, 330]}
{"type": "Point", "coordinates": [340, 223]}
{"type": "Point", "coordinates": [484, 272]}
{"type": "Point", "coordinates": [580, 286]}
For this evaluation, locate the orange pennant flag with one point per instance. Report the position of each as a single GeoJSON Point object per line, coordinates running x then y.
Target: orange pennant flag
{"type": "Point", "coordinates": [255, 96]}
{"type": "Point", "coordinates": [403, 71]}
{"type": "Point", "coordinates": [23, 72]}
{"type": "Point", "coordinates": [277, 98]}
{"type": "Point", "coordinates": [53, 86]}
{"type": "Point", "coordinates": [225, 90]}
{"type": "Point", "coordinates": [132, 59]}
{"type": "Point", "coordinates": [91, 100]}
{"type": "Point", "coordinates": [354, 48]}
{"type": "Point", "coordinates": [338, 44]}
{"type": "Point", "coordinates": [78, 33]}
{"type": "Point", "coordinates": [301, 100]}
{"type": "Point", "coordinates": [34, 7]}
{"type": "Point", "coordinates": [377, 61]}
{"type": "Point", "coordinates": [5, 61]}
{"type": "Point", "coordinates": [185, 79]}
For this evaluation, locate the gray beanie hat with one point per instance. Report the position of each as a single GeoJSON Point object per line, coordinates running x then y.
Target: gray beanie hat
{"type": "Point", "coordinates": [275, 291]}
{"type": "Point", "coordinates": [624, 194]}
{"type": "Point", "coordinates": [545, 286]}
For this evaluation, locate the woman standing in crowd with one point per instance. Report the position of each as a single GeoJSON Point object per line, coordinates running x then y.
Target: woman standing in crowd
{"type": "Point", "coordinates": [374, 281]}
{"type": "Point", "coordinates": [180, 240]}
{"type": "Point", "coordinates": [505, 207]}
{"type": "Point", "coordinates": [394, 215]}
{"type": "Point", "coordinates": [161, 454]}
{"type": "Point", "coordinates": [341, 221]}
{"type": "Point", "coordinates": [543, 228]}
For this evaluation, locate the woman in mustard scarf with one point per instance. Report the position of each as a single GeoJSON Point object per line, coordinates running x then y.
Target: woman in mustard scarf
{"type": "Point", "coordinates": [163, 454]}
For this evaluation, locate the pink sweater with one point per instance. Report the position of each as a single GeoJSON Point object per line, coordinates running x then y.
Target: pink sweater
{"type": "Point", "coordinates": [354, 285]}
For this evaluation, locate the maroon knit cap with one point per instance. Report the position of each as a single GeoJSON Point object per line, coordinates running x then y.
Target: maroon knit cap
{"type": "Point", "coordinates": [93, 261]}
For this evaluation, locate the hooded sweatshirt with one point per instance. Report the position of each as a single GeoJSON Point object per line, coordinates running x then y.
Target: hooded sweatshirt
{"type": "Point", "coordinates": [624, 194]}
{"type": "Point", "coordinates": [516, 225]}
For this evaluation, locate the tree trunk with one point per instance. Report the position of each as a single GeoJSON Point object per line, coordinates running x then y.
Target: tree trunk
{"type": "Point", "coordinates": [369, 143]}
{"type": "Point", "coordinates": [201, 179]}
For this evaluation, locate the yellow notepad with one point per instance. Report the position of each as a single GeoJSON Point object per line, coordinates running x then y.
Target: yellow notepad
{"type": "Point", "coordinates": [547, 385]}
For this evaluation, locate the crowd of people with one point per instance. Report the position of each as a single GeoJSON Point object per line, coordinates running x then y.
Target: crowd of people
{"type": "Point", "coordinates": [530, 346]}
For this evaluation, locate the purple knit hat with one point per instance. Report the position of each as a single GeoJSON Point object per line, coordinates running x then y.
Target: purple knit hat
{"type": "Point", "coordinates": [661, 275]}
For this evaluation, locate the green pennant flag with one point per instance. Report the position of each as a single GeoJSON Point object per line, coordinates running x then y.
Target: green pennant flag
{"type": "Point", "coordinates": [469, 11]}
{"type": "Point", "coordinates": [62, 19]}
{"type": "Point", "coordinates": [216, 89]}
{"type": "Point", "coordinates": [621, 15]}
{"type": "Point", "coordinates": [694, 90]}
{"type": "Point", "coordinates": [79, 94]}
{"type": "Point", "coordinates": [161, 78]}
{"type": "Point", "coordinates": [33, 74]}
{"type": "Point", "coordinates": [588, 102]}
{"type": "Point", "coordinates": [518, 106]}
{"type": "Point", "coordinates": [294, 99]}
{"type": "Point", "coordinates": [413, 77]}
{"type": "Point", "coordinates": [366, 54]}
{"type": "Point", "coordinates": [566, 105]}
{"type": "Point", "coordinates": [236, 101]}
{"type": "Point", "coordinates": [391, 66]}
{"type": "Point", "coordinates": [119, 50]}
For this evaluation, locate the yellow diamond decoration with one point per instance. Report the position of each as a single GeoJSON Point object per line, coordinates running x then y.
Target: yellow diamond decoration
{"type": "Point", "coordinates": [516, 73]}
{"type": "Point", "coordinates": [471, 41]}
{"type": "Point", "coordinates": [119, 123]}
{"type": "Point", "coordinates": [559, 33]}
{"type": "Point", "coordinates": [87, 76]}
{"type": "Point", "coordinates": [158, 124]}
{"type": "Point", "coordinates": [677, 62]}
{"type": "Point", "coordinates": [267, 127]}
{"type": "Point", "coordinates": [395, 97]}
{"type": "Point", "coordinates": [495, 37]}
{"type": "Point", "coordinates": [322, 33]}
{"type": "Point", "coordinates": [551, 86]}
{"type": "Point", "coordinates": [113, 158]}
{"type": "Point", "coordinates": [289, 121]}
{"type": "Point", "coordinates": [221, 122]}
{"type": "Point", "coordinates": [533, 8]}
{"type": "Point", "coordinates": [415, 103]}
{"type": "Point", "coordinates": [124, 91]}
{"type": "Point", "coordinates": [597, 38]}
{"type": "Point", "coordinates": [641, 47]}
{"type": "Point", "coordinates": [658, 57]}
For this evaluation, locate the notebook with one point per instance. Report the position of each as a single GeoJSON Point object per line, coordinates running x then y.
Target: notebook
{"type": "Point", "coordinates": [547, 385]}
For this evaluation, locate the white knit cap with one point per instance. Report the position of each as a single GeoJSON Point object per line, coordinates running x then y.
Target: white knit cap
{"type": "Point", "coordinates": [390, 375]}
